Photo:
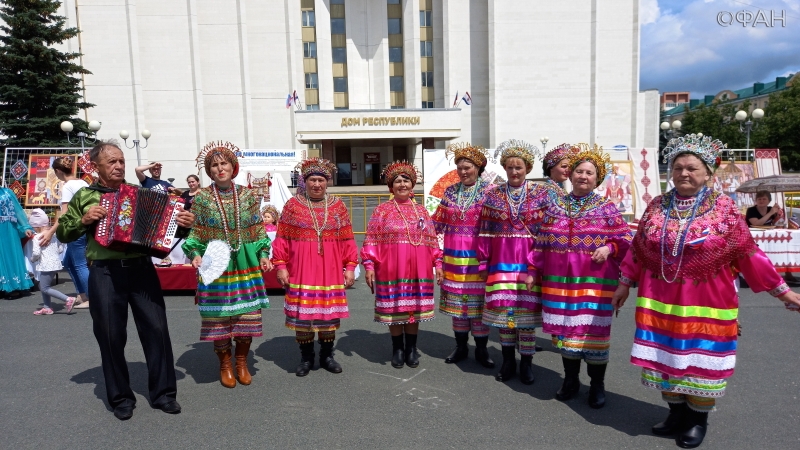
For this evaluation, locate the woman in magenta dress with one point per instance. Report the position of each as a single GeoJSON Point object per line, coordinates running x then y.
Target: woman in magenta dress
{"type": "Point", "coordinates": [458, 219]}
{"type": "Point", "coordinates": [580, 244]}
{"type": "Point", "coordinates": [509, 221]}
{"type": "Point", "coordinates": [689, 247]}
{"type": "Point", "coordinates": [399, 255]}
{"type": "Point", "coordinates": [315, 254]}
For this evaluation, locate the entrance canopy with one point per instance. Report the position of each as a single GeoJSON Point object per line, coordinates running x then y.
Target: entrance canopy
{"type": "Point", "coordinates": [367, 124]}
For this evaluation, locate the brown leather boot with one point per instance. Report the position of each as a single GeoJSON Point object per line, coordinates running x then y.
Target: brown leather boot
{"type": "Point", "coordinates": [225, 368]}
{"type": "Point", "coordinates": [242, 349]}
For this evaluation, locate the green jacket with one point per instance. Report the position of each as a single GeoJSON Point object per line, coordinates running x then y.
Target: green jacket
{"type": "Point", "coordinates": [70, 227]}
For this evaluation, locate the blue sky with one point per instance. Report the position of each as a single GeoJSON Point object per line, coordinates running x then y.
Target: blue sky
{"type": "Point", "coordinates": [683, 48]}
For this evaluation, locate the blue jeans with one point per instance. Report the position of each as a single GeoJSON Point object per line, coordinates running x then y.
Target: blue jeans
{"type": "Point", "coordinates": [75, 263]}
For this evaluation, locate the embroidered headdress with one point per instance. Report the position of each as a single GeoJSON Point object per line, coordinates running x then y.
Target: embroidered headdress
{"type": "Point", "coordinates": [594, 155]}
{"type": "Point", "coordinates": [515, 148]}
{"type": "Point", "coordinates": [397, 168]}
{"type": "Point", "coordinates": [474, 153]}
{"type": "Point", "coordinates": [557, 154]}
{"type": "Point", "coordinates": [704, 147]}
{"type": "Point", "coordinates": [268, 208]}
{"type": "Point", "coordinates": [316, 166]}
{"type": "Point", "coordinates": [225, 150]}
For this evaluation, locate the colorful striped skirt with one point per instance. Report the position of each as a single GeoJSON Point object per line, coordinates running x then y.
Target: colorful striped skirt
{"type": "Point", "coordinates": [240, 289]}
{"type": "Point", "coordinates": [242, 325]}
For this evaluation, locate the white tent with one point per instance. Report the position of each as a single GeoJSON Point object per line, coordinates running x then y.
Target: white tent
{"type": "Point", "coordinates": [279, 193]}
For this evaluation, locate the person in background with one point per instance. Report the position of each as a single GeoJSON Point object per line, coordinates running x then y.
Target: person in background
{"type": "Point", "coordinates": [48, 263]}
{"type": "Point", "coordinates": [75, 257]}
{"type": "Point", "coordinates": [13, 227]}
{"type": "Point", "coordinates": [761, 214]}
{"type": "Point", "coordinates": [154, 181]}
{"type": "Point", "coordinates": [194, 187]}
{"type": "Point", "coordinates": [270, 215]}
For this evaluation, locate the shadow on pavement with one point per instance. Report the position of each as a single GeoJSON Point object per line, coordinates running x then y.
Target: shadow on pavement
{"type": "Point", "coordinates": [284, 352]}
{"type": "Point", "coordinates": [137, 372]}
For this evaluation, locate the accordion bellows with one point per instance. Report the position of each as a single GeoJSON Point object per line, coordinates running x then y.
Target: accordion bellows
{"type": "Point", "coordinates": [139, 220]}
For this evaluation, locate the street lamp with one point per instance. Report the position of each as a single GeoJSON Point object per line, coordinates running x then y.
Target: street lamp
{"type": "Point", "coordinates": [544, 141]}
{"type": "Point", "coordinates": [670, 131]}
{"type": "Point", "coordinates": [94, 127]}
{"type": "Point", "coordinates": [745, 127]}
{"type": "Point", "coordinates": [125, 135]}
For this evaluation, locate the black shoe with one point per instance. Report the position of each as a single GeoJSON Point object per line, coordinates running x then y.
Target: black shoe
{"type": "Point", "coordinates": [123, 412]}
{"type": "Point", "coordinates": [398, 358]}
{"type": "Point", "coordinates": [571, 385]}
{"type": "Point", "coordinates": [306, 359]}
{"type": "Point", "coordinates": [482, 353]}
{"type": "Point", "coordinates": [674, 422]}
{"type": "Point", "coordinates": [694, 435]}
{"type": "Point", "coordinates": [538, 348]}
{"type": "Point", "coordinates": [509, 367]}
{"type": "Point", "coordinates": [412, 357]}
{"type": "Point", "coordinates": [461, 351]}
{"type": "Point", "coordinates": [398, 355]}
{"type": "Point", "coordinates": [526, 369]}
{"type": "Point", "coordinates": [597, 389]}
{"type": "Point", "coordinates": [326, 360]}
{"type": "Point", "coordinates": [171, 407]}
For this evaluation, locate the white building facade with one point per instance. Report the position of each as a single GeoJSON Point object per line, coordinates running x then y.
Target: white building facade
{"type": "Point", "coordinates": [375, 79]}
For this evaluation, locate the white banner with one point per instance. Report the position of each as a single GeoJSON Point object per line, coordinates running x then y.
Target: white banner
{"type": "Point", "coordinates": [270, 160]}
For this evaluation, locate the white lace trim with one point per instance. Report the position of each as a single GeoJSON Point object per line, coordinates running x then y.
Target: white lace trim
{"type": "Point", "coordinates": [331, 310]}
{"type": "Point", "coordinates": [575, 321]}
{"type": "Point", "coordinates": [683, 361]}
{"type": "Point", "coordinates": [396, 303]}
{"type": "Point", "coordinates": [460, 285]}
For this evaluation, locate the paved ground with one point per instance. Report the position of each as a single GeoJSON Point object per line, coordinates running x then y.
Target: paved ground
{"type": "Point", "coordinates": [54, 396]}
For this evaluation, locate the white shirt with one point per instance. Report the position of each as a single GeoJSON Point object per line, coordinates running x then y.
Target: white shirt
{"type": "Point", "coordinates": [70, 188]}
{"type": "Point", "coordinates": [47, 259]}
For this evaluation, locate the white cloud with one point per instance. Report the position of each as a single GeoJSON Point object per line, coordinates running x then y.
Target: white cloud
{"type": "Point", "coordinates": [648, 11]}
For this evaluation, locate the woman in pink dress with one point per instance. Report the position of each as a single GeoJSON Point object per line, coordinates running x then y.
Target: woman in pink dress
{"type": "Point", "coordinates": [509, 222]}
{"type": "Point", "coordinates": [581, 242]}
{"type": "Point", "coordinates": [689, 247]}
{"type": "Point", "coordinates": [399, 255]}
{"type": "Point", "coordinates": [458, 218]}
{"type": "Point", "coordinates": [555, 166]}
{"type": "Point", "coordinates": [316, 256]}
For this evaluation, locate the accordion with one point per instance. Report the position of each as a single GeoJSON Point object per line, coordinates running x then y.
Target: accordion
{"type": "Point", "coordinates": [139, 220]}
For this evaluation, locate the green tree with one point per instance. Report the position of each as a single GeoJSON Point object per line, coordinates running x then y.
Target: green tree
{"type": "Point", "coordinates": [780, 127]}
{"type": "Point", "coordinates": [39, 85]}
{"type": "Point", "coordinates": [718, 121]}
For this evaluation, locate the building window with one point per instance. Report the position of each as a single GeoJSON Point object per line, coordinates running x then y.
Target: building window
{"type": "Point", "coordinates": [339, 84]}
{"type": "Point", "coordinates": [309, 19]}
{"type": "Point", "coordinates": [396, 84]}
{"type": "Point", "coordinates": [312, 108]}
{"type": "Point", "coordinates": [309, 49]}
{"type": "Point", "coordinates": [339, 54]}
{"type": "Point", "coordinates": [341, 107]}
{"type": "Point", "coordinates": [426, 18]}
{"type": "Point", "coordinates": [312, 81]}
{"type": "Point", "coordinates": [398, 107]}
{"type": "Point", "coordinates": [393, 2]}
{"type": "Point", "coordinates": [337, 26]}
{"type": "Point", "coordinates": [337, 2]}
{"type": "Point", "coordinates": [425, 48]}
{"type": "Point", "coordinates": [396, 54]}
{"type": "Point", "coordinates": [394, 26]}
{"type": "Point", "coordinates": [427, 79]}
{"type": "Point", "coordinates": [427, 105]}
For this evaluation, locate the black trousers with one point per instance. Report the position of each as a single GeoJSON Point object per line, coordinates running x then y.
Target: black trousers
{"type": "Point", "coordinates": [113, 286]}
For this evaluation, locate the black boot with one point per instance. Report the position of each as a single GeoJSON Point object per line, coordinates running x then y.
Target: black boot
{"type": "Point", "coordinates": [509, 367]}
{"type": "Point", "coordinates": [482, 353]}
{"type": "Point", "coordinates": [693, 436]}
{"type": "Point", "coordinates": [597, 389]}
{"type": "Point", "coordinates": [461, 351]}
{"type": "Point", "coordinates": [326, 360]}
{"type": "Point", "coordinates": [526, 369]}
{"type": "Point", "coordinates": [398, 355]}
{"type": "Point", "coordinates": [674, 422]}
{"type": "Point", "coordinates": [306, 359]}
{"type": "Point", "coordinates": [571, 385]}
{"type": "Point", "coordinates": [412, 357]}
